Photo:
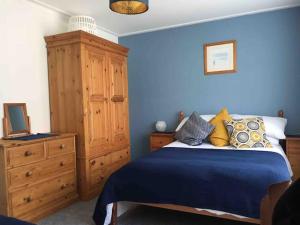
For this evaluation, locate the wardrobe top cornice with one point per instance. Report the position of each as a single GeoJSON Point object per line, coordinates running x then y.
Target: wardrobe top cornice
{"type": "Point", "coordinates": [86, 38]}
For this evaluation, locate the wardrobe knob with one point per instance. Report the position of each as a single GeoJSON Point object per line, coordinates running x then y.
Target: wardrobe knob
{"type": "Point", "coordinates": [62, 164]}
{"type": "Point", "coordinates": [93, 162]}
{"type": "Point", "coordinates": [28, 153]}
{"type": "Point", "coordinates": [28, 199]}
{"type": "Point", "coordinates": [62, 146]}
{"type": "Point", "coordinates": [29, 174]}
{"type": "Point", "coordinates": [63, 186]}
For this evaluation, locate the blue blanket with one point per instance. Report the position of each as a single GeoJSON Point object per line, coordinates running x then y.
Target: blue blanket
{"type": "Point", "coordinates": [12, 221]}
{"type": "Point", "coordinates": [225, 180]}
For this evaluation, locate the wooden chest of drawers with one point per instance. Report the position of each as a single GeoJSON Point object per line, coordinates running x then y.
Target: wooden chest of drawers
{"type": "Point", "coordinates": [37, 177]}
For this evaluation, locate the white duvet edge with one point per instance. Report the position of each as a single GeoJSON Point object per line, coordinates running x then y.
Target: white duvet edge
{"type": "Point", "coordinates": [109, 208]}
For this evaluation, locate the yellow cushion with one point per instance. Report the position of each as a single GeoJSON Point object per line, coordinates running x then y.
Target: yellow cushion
{"type": "Point", "coordinates": [219, 137]}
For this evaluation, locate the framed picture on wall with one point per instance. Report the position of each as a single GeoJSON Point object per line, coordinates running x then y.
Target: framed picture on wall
{"type": "Point", "coordinates": [220, 57]}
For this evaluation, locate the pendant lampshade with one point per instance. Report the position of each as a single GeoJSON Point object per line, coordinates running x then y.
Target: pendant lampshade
{"type": "Point", "coordinates": [129, 7]}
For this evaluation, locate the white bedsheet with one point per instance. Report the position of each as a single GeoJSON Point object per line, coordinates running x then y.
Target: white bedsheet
{"type": "Point", "coordinates": [176, 144]}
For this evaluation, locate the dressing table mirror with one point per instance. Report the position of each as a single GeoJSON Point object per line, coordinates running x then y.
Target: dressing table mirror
{"type": "Point", "coordinates": [16, 121]}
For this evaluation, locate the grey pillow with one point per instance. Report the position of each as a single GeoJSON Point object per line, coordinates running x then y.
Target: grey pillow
{"type": "Point", "coordinates": [194, 131]}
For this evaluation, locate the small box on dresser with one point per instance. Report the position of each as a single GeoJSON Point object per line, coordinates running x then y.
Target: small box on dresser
{"type": "Point", "coordinates": [293, 154]}
{"type": "Point", "coordinates": [37, 177]}
{"type": "Point", "coordinates": [160, 139]}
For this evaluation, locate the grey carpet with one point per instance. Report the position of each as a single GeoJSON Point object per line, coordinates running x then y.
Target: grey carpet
{"type": "Point", "coordinates": [80, 213]}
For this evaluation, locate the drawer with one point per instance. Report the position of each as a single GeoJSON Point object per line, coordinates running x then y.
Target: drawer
{"type": "Point", "coordinates": [23, 155]}
{"type": "Point", "coordinates": [296, 171]}
{"type": "Point", "coordinates": [42, 170]}
{"type": "Point", "coordinates": [32, 198]}
{"type": "Point", "coordinates": [116, 166]}
{"type": "Point", "coordinates": [100, 162]}
{"type": "Point", "coordinates": [121, 139]}
{"type": "Point", "coordinates": [120, 155]}
{"type": "Point", "coordinates": [98, 177]}
{"type": "Point", "coordinates": [60, 146]}
{"type": "Point", "coordinates": [293, 146]}
{"type": "Point", "coordinates": [158, 142]}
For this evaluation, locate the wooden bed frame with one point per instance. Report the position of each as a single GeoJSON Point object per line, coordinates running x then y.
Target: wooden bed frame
{"type": "Point", "coordinates": [266, 207]}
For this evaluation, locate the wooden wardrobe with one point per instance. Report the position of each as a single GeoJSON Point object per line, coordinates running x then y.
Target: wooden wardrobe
{"type": "Point", "coordinates": [88, 89]}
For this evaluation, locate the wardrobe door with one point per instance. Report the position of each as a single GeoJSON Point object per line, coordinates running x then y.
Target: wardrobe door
{"type": "Point", "coordinates": [119, 101]}
{"type": "Point", "coordinates": [98, 104]}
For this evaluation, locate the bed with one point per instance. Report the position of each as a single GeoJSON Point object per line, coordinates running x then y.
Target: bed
{"type": "Point", "coordinates": [194, 179]}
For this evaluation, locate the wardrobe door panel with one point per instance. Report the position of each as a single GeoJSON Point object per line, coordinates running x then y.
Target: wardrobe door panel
{"type": "Point", "coordinates": [98, 105]}
{"type": "Point", "coordinates": [119, 101]}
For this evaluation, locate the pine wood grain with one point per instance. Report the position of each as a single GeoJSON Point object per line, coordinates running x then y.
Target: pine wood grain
{"type": "Point", "coordinates": [35, 182]}
{"type": "Point", "coordinates": [88, 86]}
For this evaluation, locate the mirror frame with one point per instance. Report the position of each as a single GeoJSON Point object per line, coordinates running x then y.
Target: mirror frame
{"type": "Point", "coordinates": [7, 128]}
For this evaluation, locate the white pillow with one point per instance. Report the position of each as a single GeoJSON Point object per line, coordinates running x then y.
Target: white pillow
{"type": "Point", "coordinates": [205, 117]}
{"type": "Point", "coordinates": [275, 126]}
{"type": "Point", "coordinates": [273, 141]}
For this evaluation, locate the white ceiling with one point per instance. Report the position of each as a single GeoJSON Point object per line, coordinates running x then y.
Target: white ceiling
{"type": "Point", "coordinates": [165, 13]}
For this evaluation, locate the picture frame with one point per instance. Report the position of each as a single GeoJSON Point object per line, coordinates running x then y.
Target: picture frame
{"type": "Point", "coordinates": [220, 57]}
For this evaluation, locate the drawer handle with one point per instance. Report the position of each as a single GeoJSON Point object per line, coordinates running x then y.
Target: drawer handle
{"type": "Point", "coordinates": [63, 186]}
{"type": "Point", "coordinates": [62, 164]}
{"type": "Point", "coordinates": [62, 146]}
{"type": "Point", "coordinates": [27, 153]}
{"type": "Point", "coordinates": [93, 162]}
{"type": "Point", "coordinates": [29, 174]}
{"type": "Point", "coordinates": [28, 199]}
{"type": "Point", "coordinates": [101, 178]}
{"type": "Point", "coordinates": [101, 163]}
{"type": "Point", "coordinates": [121, 157]}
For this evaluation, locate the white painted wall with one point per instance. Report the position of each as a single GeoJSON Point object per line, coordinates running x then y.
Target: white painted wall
{"type": "Point", "coordinates": [23, 59]}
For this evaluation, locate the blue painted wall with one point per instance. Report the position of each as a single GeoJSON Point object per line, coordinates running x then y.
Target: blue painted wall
{"type": "Point", "coordinates": [166, 72]}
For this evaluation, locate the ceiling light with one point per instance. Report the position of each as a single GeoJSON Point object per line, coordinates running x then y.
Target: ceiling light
{"type": "Point", "coordinates": [129, 7]}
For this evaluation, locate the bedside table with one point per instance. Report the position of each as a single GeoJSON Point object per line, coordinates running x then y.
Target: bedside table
{"type": "Point", "coordinates": [160, 139]}
{"type": "Point", "coordinates": [293, 154]}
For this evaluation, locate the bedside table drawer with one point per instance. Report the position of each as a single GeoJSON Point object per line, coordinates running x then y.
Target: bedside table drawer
{"type": "Point", "coordinates": [158, 140]}
{"type": "Point", "coordinates": [161, 141]}
{"type": "Point", "coordinates": [293, 154]}
{"type": "Point", "coordinates": [293, 146]}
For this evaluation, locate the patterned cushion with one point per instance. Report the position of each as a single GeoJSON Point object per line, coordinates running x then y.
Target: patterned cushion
{"type": "Point", "coordinates": [194, 130]}
{"type": "Point", "coordinates": [247, 133]}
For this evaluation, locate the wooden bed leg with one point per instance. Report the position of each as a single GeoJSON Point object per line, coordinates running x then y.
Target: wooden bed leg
{"type": "Point", "coordinates": [269, 201]}
{"type": "Point", "coordinates": [265, 212]}
{"type": "Point", "coordinates": [114, 215]}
